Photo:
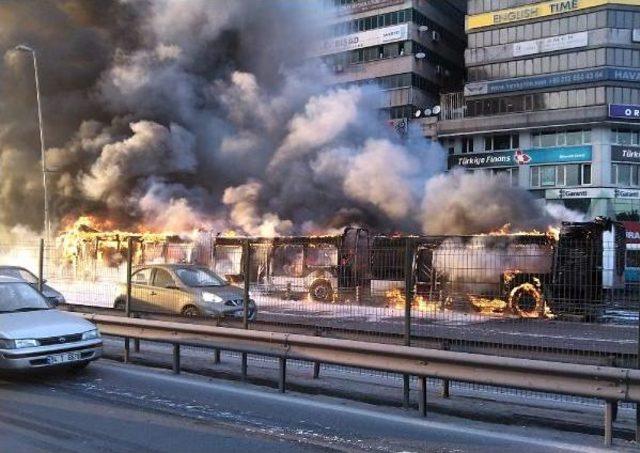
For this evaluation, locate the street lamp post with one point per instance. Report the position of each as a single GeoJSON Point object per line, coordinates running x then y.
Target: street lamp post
{"type": "Point", "coordinates": [47, 225]}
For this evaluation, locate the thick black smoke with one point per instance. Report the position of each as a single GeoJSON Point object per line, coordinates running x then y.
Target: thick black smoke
{"type": "Point", "coordinates": [179, 114]}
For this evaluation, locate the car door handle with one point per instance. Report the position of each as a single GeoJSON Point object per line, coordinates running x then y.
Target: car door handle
{"type": "Point", "coordinates": [153, 293]}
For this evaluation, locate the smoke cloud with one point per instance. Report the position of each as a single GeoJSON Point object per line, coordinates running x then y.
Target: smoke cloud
{"type": "Point", "coordinates": [467, 203]}
{"type": "Point", "coordinates": [172, 114]}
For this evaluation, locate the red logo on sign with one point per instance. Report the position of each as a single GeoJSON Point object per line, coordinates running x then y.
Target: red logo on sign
{"type": "Point", "coordinates": [522, 157]}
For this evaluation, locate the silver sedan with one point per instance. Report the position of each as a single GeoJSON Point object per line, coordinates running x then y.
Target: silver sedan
{"type": "Point", "coordinates": [34, 335]}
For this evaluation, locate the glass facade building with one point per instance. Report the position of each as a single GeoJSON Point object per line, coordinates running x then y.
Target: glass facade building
{"type": "Point", "coordinates": [564, 78]}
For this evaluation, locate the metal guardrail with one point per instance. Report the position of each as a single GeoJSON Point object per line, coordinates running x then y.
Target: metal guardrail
{"type": "Point", "coordinates": [606, 383]}
{"type": "Point", "coordinates": [430, 339]}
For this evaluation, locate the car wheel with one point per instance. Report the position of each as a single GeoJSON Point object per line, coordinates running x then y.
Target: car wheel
{"type": "Point", "coordinates": [252, 312]}
{"type": "Point", "coordinates": [120, 304]}
{"type": "Point", "coordinates": [321, 291]}
{"type": "Point", "coordinates": [191, 311]}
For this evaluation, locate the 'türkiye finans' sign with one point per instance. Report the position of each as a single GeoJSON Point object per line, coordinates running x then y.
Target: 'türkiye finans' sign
{"type": "Point", "coordinates": [519, 157]}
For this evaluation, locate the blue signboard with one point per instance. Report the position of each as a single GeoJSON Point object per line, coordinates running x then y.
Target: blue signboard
{"type": "Point", "coordinates": [624, 111]}
{"type": "Point", "coordinates": [560, 154]}
{"type": "Point", "coordinates": [534, 156]}
{"type": "Point", "coordinates": [552, 80]}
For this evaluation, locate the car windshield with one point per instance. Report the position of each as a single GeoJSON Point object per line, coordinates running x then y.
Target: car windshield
{"type": "Point", "coordinates": [197, 277]}
{"type": "Point", "coordinates": [16, 297]}
{"type": "Point", "coordinates": [19, 273]}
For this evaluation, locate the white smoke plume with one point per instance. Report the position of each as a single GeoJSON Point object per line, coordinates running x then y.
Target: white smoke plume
{"type": "Point", "coordinates": [173, 114]}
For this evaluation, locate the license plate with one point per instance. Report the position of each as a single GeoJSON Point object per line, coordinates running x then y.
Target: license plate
{"type": "Point", "coordinates": [63, 358]}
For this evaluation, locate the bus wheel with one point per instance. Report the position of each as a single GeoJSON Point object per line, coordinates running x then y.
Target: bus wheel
{"type": "Point", "coordinates": [526, 301]}
{"type": "Point", "coordinates": [321, 291]}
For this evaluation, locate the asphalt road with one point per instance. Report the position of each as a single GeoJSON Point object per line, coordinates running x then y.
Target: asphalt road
{"type": "Point", "coordinates": [124, 408]}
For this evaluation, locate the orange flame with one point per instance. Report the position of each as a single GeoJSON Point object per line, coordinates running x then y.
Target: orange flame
{"type": "Point", "coordinates": [396, 299]}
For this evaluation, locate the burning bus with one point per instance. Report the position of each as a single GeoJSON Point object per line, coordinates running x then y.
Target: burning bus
{"type": "Point", "coordinates": [527, 274]}
{"type": "Point", "coordinates": [289, 266]}
{"type": "Point", "coordinates": [524, 274]}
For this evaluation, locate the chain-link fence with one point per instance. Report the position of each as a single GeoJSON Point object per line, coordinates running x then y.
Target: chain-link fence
{"type": "Point", "coordinates": [541, 296]}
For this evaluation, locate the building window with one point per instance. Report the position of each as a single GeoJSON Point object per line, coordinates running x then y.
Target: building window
{"type": "Point", "coordinates": [572, 137]}
{"type": "Point", "coordinates": [543, 101]}
{"type": "Point", "coordinates": [451, 146]}
{"type": "Point", "coordinates": [625, 175]}
{"type": "Point", "coordinates": [501, 142]}
{"type": "Point", "coordinates": [510, 175]}
{"type": "Point", "coordinates": [561, 175]}
{"type": "Point", "coordinates": [624, 137]}
{"type": "Point", "coordinates": [586, 174]}
{"type": "Point", "coordinates": [467, 145]}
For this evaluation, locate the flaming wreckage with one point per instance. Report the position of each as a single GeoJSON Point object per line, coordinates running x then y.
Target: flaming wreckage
{"type": "Point", "coordinates": [572, 271]}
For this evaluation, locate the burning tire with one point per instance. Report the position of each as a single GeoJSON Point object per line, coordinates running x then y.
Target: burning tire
{"type": "Point", "coordinates": [526, 301]}
{"type": "Point", "coordinates": [321, 291]}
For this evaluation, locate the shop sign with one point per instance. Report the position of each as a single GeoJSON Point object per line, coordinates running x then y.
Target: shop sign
{"type": "Point", "coordinates": [367, 38]}
{"type": "Point", "coordinates": [621, 153]}
{"type": "Point", "coordinates": [521, 157]}
{"type": "Point", "coordinates": [633, 232]}
{"type": "Point", "coordinates": [359, 6]}
{"type": "Point", "coordinates": [542, 9]}
{"type": "Point", "coordinates": [624, 111]}
{"type": "Point", "coordinates": [569, 41]}
{"type": "Point", "coordinates": [592, 192]}
{"type": "Point", "coordinates": [626, 194]}
{"type": "Point", "coordinates": [553, 80]}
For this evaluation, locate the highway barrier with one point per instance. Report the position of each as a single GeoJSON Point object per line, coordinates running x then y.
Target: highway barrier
{"type": "Point", "coordinates": [610, 384]}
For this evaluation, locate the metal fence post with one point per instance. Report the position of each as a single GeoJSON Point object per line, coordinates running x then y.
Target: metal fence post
{"type": "Point", "coordinates": [608, 423]}
{"type": "Point", "coordinates": [176, 359]}
{"type": "Point", "coordinates": [408, 299]}
{"type": "Point", "coordinates": [245, 312]}
{"type": "Point", "coordinates": [282, 382]}
{"type": "Point", "coordinates": [216, 356]}
{"type": "Point", "coordinates": [127, 307]}
{"type": "Point", "coordinates": [41, 265]}
{"type": "Point", "coordinates": [423, 396]}
{"type": "Point", "coordinates": [638, 366]}
{"type": "Point", "coordinates": [136, 341]}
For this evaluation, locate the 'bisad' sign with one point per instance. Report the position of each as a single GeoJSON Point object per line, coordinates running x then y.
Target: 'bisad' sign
{"type": "Point", "coordinates": [542, 9]}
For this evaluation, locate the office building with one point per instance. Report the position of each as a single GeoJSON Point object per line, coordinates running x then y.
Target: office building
{"type": "Point", "coordinates": [552, 101]}
{"type": "Point", "coordinates": [413, 49]}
